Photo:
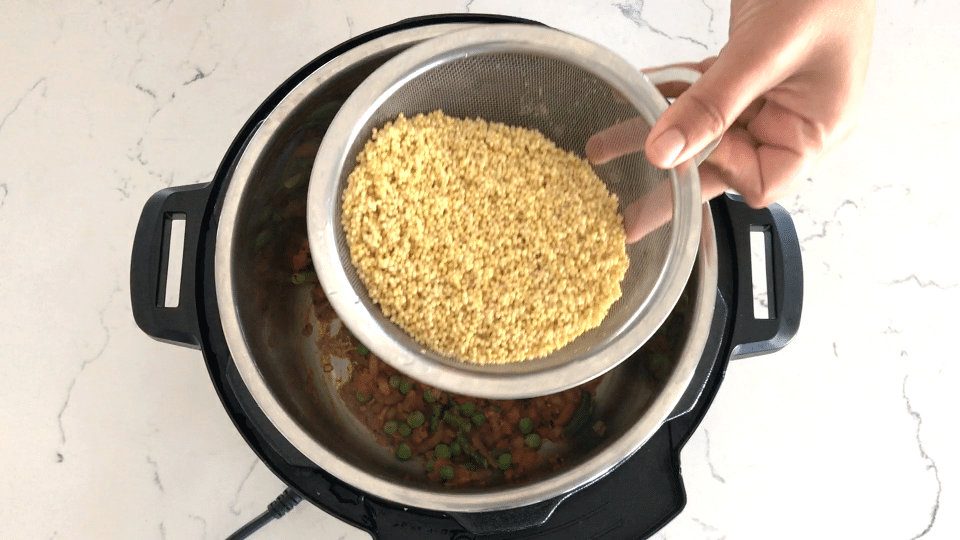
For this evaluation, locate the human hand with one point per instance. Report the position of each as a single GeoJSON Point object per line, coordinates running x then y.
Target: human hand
{"type": "Point", "coordinates": [784, 91]}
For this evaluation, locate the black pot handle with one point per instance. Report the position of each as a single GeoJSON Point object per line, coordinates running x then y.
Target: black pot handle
{"type": "Point", "coordinates": [510, 520]}
{"type": "Point", "coordinates": [148, 265]}
{"type": "Point", "coordinates": [752, 336]}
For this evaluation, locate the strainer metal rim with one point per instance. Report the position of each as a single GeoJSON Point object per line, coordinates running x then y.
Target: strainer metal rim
{"type": "Point", "coordinates": [493, 382]}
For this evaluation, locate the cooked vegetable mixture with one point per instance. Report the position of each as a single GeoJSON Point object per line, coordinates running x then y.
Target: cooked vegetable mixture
{"type": "Point", "coordinates": [459, 439]}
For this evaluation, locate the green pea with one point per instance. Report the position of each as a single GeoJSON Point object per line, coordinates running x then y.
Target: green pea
{"type": "Point", "coordinates": [404, 452]}
{"type": "Point", "coordinates": [504, 461]}
{"type": "Point", "coordinates": [428, 397]}
{"type": "Point", "coordinates": [526, 425]}
{"type": "Point", "coordinates": [263, 238]}
{"type": "Point", "coordinates": [532, 440]}
{"type": "Point", "coordinates": [468, 408]}
{"type": "Point", "coordinates": [416, 419]}
{"type": "Point", "coordinates": [405, 387]}
{"type": "Point", "coordinates": [497, 410]}
{"type": "Point", "coordinates": [362, 398]}
{"type": "Point", "coordinates": [394, 381]}
{"type": "Point", "coordinates": [470, 466]}
{"type": "Point", "coordinates": [390, 426]}
{"type": "Point", "coordinates": [430, 464]}
{"type": "Point", "coordinates": [307, 276]}
{"type": "Point", "coordinates": [442, 451]}
{"type": "Point", "coordinates": [446, 473]}
{"type": "Point", "coordinates": [455, 448]}
{"type": "Point", "coordinates": [404, 430]}
{"type": "Point", "coordinates": [362, 349]}
{"type": "Point", "coordinates": [478, 419]}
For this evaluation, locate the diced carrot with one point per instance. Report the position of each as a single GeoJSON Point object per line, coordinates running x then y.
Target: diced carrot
{"type": "Point", "coordinates": [374, 365]}
{"type": "Point", "coordinates": [383, 386]}
{"type": "Point", "coordinates": [419, 434]}
{"type": "Point", "coordinates": [525, 459]}
{"type": "Point", "coordinates": [460, 476]}
{"type": "Point", "coordinates": [566, 413]}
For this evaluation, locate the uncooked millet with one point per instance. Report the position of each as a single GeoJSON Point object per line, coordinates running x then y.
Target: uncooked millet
{"type": "Point", "coordinates": [484, 242]}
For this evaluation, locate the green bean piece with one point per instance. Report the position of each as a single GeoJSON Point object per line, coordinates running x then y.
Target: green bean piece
{"type": "Point", "coordinates": [263, 238]}
{"type": "Point", "coordinates": [324, 112]}
{"type": "Point", "coordinates": [468, 408]}
{"type": "Point", "coordinates": [526, 425]}
{"type": "Point", "coordinates": [446, 473]}
{"type": "Point", "coordinates": [405, 387]}
{"type": "Point", "coordinates": [478, 419]}
{"type": "Point", "coordinates": [428, 397]}
{"type": "Point", "coordinates": [479, 459]}
{"type": "Point", "coordinates": [442, 451]}
{"type": "Point", "coordinates": [362, 398]}
{"type": "Point", "coordinates": [390, 426]}
{"type": "Point", "coordinates": [463, 442]}
{"type": "Point", "coordinates": [497, 410]}
{"type": "Point", "coordinates": [470, 466]}
{"type": "Point", "coordinates": [416, 419]}
{"type": "Point", "coordinates": [362, 349]}
{"type": "Point", "coordinates": [266, 214]}
{"type": "Point", "coordinates": [404, 430]}
{"type": "Point", "coordinates": [581, 417]}
{"type": "Point", "coordinates": [293, 181]}
{"type": "Point", "coordinates": [403, 451]}
{"type": "Point", "coordinates": [307, 276]}
{"type": "Point", "coordinates": [455, 448]}
{"type": "Point", "coordinates": [394, 381]}
{"type": "Point", "coordinates": [532, 440]}
{"type": "Point", "coordinates": [435, 419]}
{"type": "Point", "coordinates": [430, 464]}
{"type": "Point", "coordinates": [504, 461]}
{"type": "Point", "coordinates": [456, 420]}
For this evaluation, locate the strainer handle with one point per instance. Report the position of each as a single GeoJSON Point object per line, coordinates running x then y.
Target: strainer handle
{"type": "Point", "coordinates": [684, 75]}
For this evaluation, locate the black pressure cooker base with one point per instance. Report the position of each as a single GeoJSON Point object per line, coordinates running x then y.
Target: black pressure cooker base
{"type": "Point", "coordinates": [634, 500]}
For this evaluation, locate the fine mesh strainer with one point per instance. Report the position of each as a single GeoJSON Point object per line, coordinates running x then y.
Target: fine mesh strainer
{"type": "Point", "coordinates": [568, 89]}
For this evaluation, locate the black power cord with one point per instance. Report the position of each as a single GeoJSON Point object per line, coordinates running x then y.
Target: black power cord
{"type": "Point", "coordinates": [275, 510]}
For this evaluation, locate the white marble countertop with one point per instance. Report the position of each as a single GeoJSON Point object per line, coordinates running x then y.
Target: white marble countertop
{"type": "Point", "coordinates": [107, 434]}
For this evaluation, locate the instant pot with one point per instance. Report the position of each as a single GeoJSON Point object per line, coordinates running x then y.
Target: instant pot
{"type": "Point", "coordinates": [627, 485]}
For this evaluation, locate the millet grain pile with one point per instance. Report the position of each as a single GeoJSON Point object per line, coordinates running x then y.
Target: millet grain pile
{"type": "Point", "coordinates": [484, 242]}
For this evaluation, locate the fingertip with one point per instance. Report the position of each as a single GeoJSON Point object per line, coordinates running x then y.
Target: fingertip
{"type": "Point", "coordinates": [594, 150]}
{"type": "Point", "coordinates": [663, 150]}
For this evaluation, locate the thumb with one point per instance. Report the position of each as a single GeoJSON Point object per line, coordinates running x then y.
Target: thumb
{"type": "Point", "coordinates": [704, 111]}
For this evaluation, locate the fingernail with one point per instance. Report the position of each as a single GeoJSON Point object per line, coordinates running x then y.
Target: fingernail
{"type": "Point", "coordinates": [665, 148]}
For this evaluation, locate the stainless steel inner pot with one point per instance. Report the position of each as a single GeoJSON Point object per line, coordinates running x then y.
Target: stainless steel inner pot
{"type": "Point", "coordinates": [264, 316]}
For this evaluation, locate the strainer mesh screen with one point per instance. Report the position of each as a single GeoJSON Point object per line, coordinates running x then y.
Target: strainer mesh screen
{"type": "Point", "coordinates": [568, 105]}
